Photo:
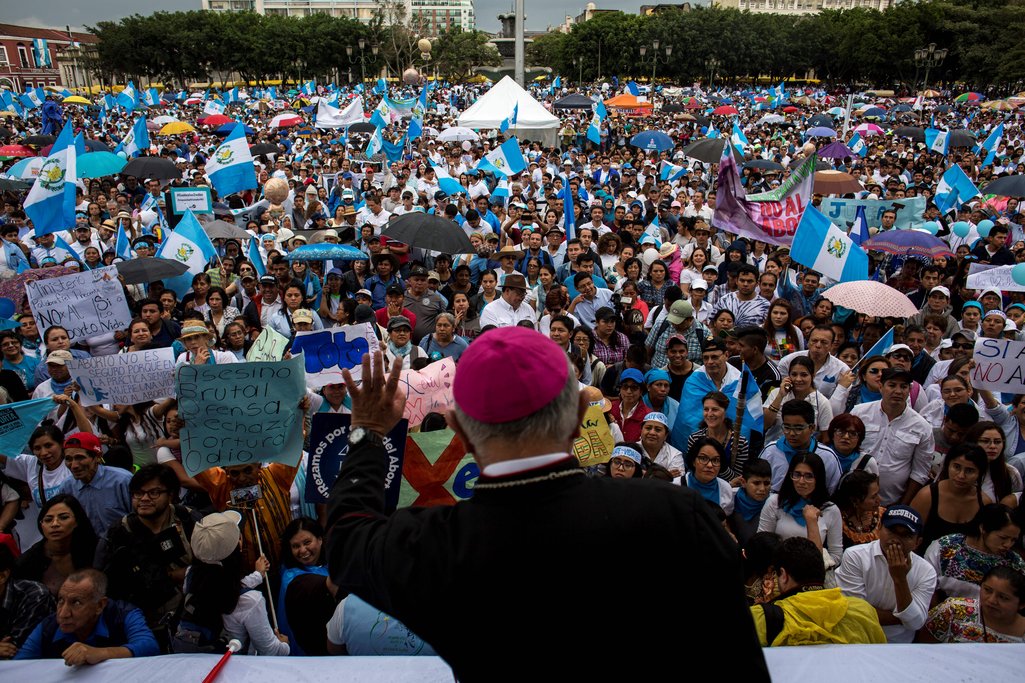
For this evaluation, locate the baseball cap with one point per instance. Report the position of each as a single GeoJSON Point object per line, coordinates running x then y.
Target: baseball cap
{"type": "Point", "coordinates": [968, 335]}
{"type": "Point", "coordinates": [216, 536]}
{"type": "Point", "coordinates": [393, 290]}
{"type": "Point", "coordinates": [710, 267]}
{"type": "Point", "coordinates": [941, 289]}
{"type": "Point", "coordinates": [302, 315]}
{"type": "Point", "coordinates": [399, 321]}
{"type": "Point", "coordinates": [59, 357]}
{"type": "Point", "coordinates": [631, 375]}
{"type": "Point", "coordinates": [87, 442]}
{"type": "Point", "coordinates": [268, 280]}
{"type": "Point", "coordinates": [903, 515]}
{"type": "Point", "coordinates": [900, 347]}
{"type": "Point", "coordinates": [367, 294]}
{"type": "Point", "coordinates": [680, 311]}
{"type": "Point", "coordinates": [417, 271]}
{"type": "Point", "coordinates": [699, 284]}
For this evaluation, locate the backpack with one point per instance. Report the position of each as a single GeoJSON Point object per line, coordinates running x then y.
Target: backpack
{"type": "Point", "coordinates": [773, 621]}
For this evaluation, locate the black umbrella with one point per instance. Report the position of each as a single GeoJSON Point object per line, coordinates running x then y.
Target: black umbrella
{"type": "Point", "coordinates": [39, 140]}
{"type": "Point", "coordinates": [701, 120]}
{"type": "Point", "coordinates": [916, 133]}
{"type": "Point", "coordinates": [577, 101]}
{"type": "Point", "coordinates": [427, 231]}
{"type": "Point", "coordinates": [823, 166]}
{"type": "Point", "coordinates": [960, 137]}
{"type": "Point", "coordinates": [151, 167]}
{"type": "Point", "coordinates": [365, 127]}
{"type": "Point", "coordinates": [708, 150]}
{"type": "Point", "coordinates": [11, 185]}
{"type": "Point", "coordinates": [139, 271]}
{"type": "Point", "coordinates": [821, 120]}
{"type": "Point", "coordinates": [264, 148]}
{"type": "Point", "coordinates": [218, 229]}
{"type": "Point", "coordinates": [96, 146]}
{"type": "Point", "coordinates": [764, 165]}
{"type": "Point", "coordinates": [1008, 186]}
{"type": "Point", "coordinates": [941, 109]}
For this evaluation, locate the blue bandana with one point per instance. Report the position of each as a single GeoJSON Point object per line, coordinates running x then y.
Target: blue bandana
{"type": "Point", "coordinates": [867, 395]}
{"type": "Point", "coordinates": [797, 511]}
{"type": "Point", "coordinates": [789, 451]}
{"type": "Point", "coordinates": [709, 491]}
{"type": "Point", "coordinates": [846, 460]}
{"type": "Point", "coordinates": [748, 507]}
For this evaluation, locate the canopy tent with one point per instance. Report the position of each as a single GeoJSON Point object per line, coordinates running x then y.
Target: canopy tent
{"type": "Point", "coordinates": [629, 104]}
{"type": "Point", "coordinates": [574, 101]}
{"type": "Point", "coordinates": [533, 121]}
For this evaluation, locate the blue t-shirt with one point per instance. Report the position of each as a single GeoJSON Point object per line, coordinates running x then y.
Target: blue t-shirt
{"type": "Point", "coordinates": [26, 369]}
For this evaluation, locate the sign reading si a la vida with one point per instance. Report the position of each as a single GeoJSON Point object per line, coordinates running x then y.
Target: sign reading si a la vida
{"type": "Point", "coordinates": [999, 365]}
{"type": "Point", "coordinates": [196, 198]}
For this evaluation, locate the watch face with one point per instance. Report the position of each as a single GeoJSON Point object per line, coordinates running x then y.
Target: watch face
{"type": "Point", "coordinates": [357, 435]}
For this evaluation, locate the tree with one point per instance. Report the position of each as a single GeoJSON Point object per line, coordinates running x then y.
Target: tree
{"type": "Point", "coordinates": [456, 52]}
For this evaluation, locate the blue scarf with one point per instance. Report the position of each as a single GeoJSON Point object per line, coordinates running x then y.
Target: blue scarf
{"type": "Point", "coordinates": [867, 395]}
{"type": "Point", "coordinates": [709, 491]}
{"type": "Point", "coordinates": [400, 351]}
{"type": "Point", "coordinates": [846, 460]}
{"type": "Point", "coordinates": [748, 507]}
{"type": "Point", "coordinates": [789, 451]}
{"type": "Point", "coordinates": [59, 387]}
{"type": "Point", "coordinates": [797, 511]}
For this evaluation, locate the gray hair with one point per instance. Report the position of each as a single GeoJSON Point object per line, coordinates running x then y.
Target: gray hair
{"type": "Point", "coordinates": [556, 421]}
{"type": "Point", "coordinates": [97, 578]}
{"type": "Point", "coordinates": [446, 316]}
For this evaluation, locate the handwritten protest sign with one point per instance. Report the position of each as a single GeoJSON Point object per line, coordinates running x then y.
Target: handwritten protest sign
{"type": "Point", "coordinates": [595, 443]}
{"type": "Point", "coordinates": [329, 444]}
{"type": "Point", "coordinates": [87, 304]}
{"type": "Point", "coordinates": [437, 470]}
{"type": "Point", "coordinates": [124, 378]}
{"type": "Point", "coordinates": [984, 276]}
{"type": "Point", "coordinates": [842, 211]}
{"type": "Point", "coordinates": [19, 420]}
{"type": "Point", "coordinates": [269, 346]}
{"type": "Point", "coordinates": [327, 352]}
{"type": "Point", "coordinates": [239, 413]}
{"type": "Point", "coordinates": [999, 365]}
{"type": "Point", "coordinates": [428, 390]}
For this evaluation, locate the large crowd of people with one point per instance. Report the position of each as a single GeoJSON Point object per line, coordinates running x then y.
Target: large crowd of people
{"type": "Point", "coordinates": [879, 502]}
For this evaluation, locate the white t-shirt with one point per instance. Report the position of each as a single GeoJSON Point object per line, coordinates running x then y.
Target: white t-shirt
{"type": "Point", "coordinates": [26, 468]}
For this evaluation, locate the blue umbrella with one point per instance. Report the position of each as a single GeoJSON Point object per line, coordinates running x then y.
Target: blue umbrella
{"type": "Point", "coordinates": [874, 111]}
{"type": "Point", "coordinates": [228, 127]}
{"type": "Point", "coordinates": [652, 141]}
{"type": "Point", "coordinates": [325, 251]}
{"type": "Point", "coordinates": [908, 243]}
{"type": "Point", "coordinates": [26, 169]}
{"type": "Point", "coordinates": [99, 164]}
{"type": "Point", "coordinates": [820, 132]}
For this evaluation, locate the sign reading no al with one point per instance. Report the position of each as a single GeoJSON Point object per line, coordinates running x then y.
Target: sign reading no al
{"type": "Point", "coordinates": [196, 198]}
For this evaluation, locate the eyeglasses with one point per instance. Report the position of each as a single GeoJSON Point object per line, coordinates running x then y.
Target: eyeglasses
{"type": "Point", "coordinates": [622, 464]}
{"type": "Point", "coordinates": [990, 442]}
{"type": "Point", "coordinates": [705, 460]}
{"type": "Point", "coordinates": [849, 434]}
{"type": "Point", "coordinates": [964, 347]}
{"type": "Point", "coordinates": [802, 476]}
{"type": "Point", "coordinates": [793, 429]}
{"type": "Point", "coordinates": [149, 493]}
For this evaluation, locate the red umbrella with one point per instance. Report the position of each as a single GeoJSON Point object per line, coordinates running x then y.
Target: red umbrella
{"type": "Point", "coordinates": [725, 110]}
{"type": "Point", "coordinates": [694, 104]}
{"type": "Point", "coordinates": [791, 109]}
{"type": "Point", "coordinates": [17, 151]}
{"type": "Point", "coordinates": [214, 120]}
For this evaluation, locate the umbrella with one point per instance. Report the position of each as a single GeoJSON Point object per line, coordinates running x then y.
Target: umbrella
{"type": "Point", "coordinates": [26, 169]}
{"type": "Point", "coordinates": [930, 93]}
{"type": "Point", "coordinates": [708, 150]}
{"type": "Point", "coordinates": [725, 110]}
{"type": "Point", "coordinates": [11, 185]}
{"type": "Point", "coordinates": [152, 126]}
{"type": "Point", "coordinates": [821, 165]}
{"type": "Point", "coordinates": [215, 120]}
{"type": "Point", "coordinates": [428, 231]}
{"type": "Point", "coordinates": [874, 111]}
{"type": "Point", "coordinates": [791, 109]}
{"type": "Point", "coordinates": [99, 164]}
{"type": "Point", "coordinates": [365, 127]}
{"type": "Point", "coordinates": [228, 127]}
{"type": "Point", "coordinates": [332, 252]}
{"type": "Point", "coordinates": [694, 104]}
{"type": "Point", "coordinates": [835, 150]}
{"type": "Point", "coordinates": [820, 132]}
{"type": "Point", "coordinates": [673, 108]}
{"type": "Point", "coordinates": [916, 133]}
{"type": "Point", "coordinates": [264, 148]}
{"type": "Point", "coordinates": [961, 138]}
{"type": "Point", "coordinates": [219, 229]}
{"type": "Point", "coordinates": [771, 118]}
{"type": "Point", "coordinates": [821, 120]}
{"type": "Point", "coordinates": [176, 128]}
{"type": "Point", "coordinates": [836, 111]}
{"type": "Point", "coordinates": [39, 140]}
{"type": "Point", "coordinates": [868, 129]}
{"type": "Point", "coordinates": [1007, 186]}
{"type": "Point", "coordinates": [901, 108]}
{"type": "Point", "coordinates": [152, 167]}
{"type": "Point", "coordinates": [908, 243]}
{"type": "Point", "coordinates": [872, 298]}
{"type": "Point", "coordinates": [970, 97]}
{"type": "Point", "coordinates": [456, 134]}
{"type": "Point", "coordinates": [76, 99]}
{"type": "Point", "coordinates": [804, 100]}
{"type": "Point", "coordinates": [16, 151]}
{"type": "Point", "coordinates": [161, 120]}
{"type": "Point", "coordinates": [138, 271]}
{"type": "Point", "coordinates": [652, 141]}
{"type": "Point", "coordinates": [1000, 105]}
{"type": "Point", "coordinates": [835, 182]}
{"type": "Point", "coordinates": [764, 165]}
{"type": "Point", "coordinates": [96, 146]}
{"type": "Point", "coordinates": [285, 121]}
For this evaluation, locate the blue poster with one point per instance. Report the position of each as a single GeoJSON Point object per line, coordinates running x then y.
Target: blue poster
{"type": "Point", "coordinates": [842, 211]}
{"type": "Point", "coordinates": [17, 422]}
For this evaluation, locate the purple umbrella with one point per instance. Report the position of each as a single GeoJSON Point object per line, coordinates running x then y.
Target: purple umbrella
{"type": "Point", "coordinates": [835, 150]}
{"type": "Point", "coordinates": [908, 243]}
{"type": "Point", "coordinates": [820, 132]}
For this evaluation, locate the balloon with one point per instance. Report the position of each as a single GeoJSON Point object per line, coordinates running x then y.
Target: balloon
{"type": "Point", "coordinates": [961, 228]}
{"type": "Point", "coordinates": [467, 145]}
{"type": "Point", "coordinates": [932, 227]}
{"type": "Point", "coordinates": [984, 227]}
{"type": "Point", "coordinates": [6, 308]}
{"type": "Point", "coordinates": [1018, 274]}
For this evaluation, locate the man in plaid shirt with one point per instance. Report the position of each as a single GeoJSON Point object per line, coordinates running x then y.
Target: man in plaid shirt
{"type": "Point", "coordinates": [679, 321]}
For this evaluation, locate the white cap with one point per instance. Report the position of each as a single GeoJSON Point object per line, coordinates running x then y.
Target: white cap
{"type": "Point", "coordinates": [900, 347]}
{"type": "Point", "coordinates": [941, 289]}
{"type": "Point", "coordinates": [699, 284]}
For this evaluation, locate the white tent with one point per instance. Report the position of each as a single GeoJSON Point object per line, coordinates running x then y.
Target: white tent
{"type": "Point", "coordinates": [533, 121]}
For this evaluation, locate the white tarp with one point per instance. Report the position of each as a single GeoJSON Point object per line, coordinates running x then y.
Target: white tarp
{"type": "Point", "coordinates": [533, 121]}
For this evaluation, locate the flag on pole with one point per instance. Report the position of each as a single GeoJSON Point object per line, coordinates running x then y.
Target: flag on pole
{"type": "Point", "coordinates": [188, 243]}
{"type": "Point", "coordinates": [882, 346]}
{"type": "Point", "coordinates": [569, 219]}
{"type": "Point", "coordinates": [937, 140]}
{"type": "Point", "coordinates": [446, 182]}
{"type": "Point", "coordinates": [381, 116]}
{"type": "Point", "coordinates": [51, 201]}
{"type": "Point", "coordinates": [150, 97]}
{"type": "Point", "coordinates": [919, 104]}
{"type": "Point", "coordinates": [859, 229]}
{"type": "Point", "coordinates": [256, 259]}
{"type": "Point", "coordinates": [858, 146]}
{"type": "Point", "coordinates": [954, 189]}
{"type": "Point", "coordinates": [754, 417]}
{"type": "Point", "coordinates": [376, 143]}
{"type": "Point", "coordinates": [137, 139]}
{"type": "Point", "coordinates": [41, 51]}
{"type": "Point", "coordinates": [231, 96]}
{"type": "Point", "coordinates": [122, 248]}
{"type": "Point", "coordinates": [128, 98]}
{"type": "Point", "coordinates": [738, 139]}
{"type": "Point", "coordinates": [33, 97]}
{"type": "Point", "coordinates": [991, 143]}
{"type": "Point", "coordinates": [823, 247]}
{"type": "Point", "coordinates": [632, 88]}
{"type": "Point", "coordinates": [230, 168]}
{"type": "Point", "coordinates": [510, 120]}
{"type": "Point", "coordinates": [506, 159]}
{"type": "Point", "coordinates": [594, 130]}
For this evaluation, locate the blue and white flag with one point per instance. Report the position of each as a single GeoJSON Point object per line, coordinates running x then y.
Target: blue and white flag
{"type": "Point", "coordinates": [594, 130]}
{"type": "Point", "coordinates": [569, 216]}
{"type": "Point", "coordinates": [671, 171]}
{"type": "Point", "coordinates": [188, 243]}
{"type": "Point", "coordinates": [954, 189]}
{"type": "Point", "coordinates": [991, 143]}
{"type": "Point", "coordinates": [381, 115]}
{"type": "Point", "coordinates": [41, 52]}
{"type": "Point", "coordinates": [137, 139]}
{"type": "Point", "coordinates": [859, 229]}
{"type": "Point", "coordinates": [712, 131]}
{"type": "Point", "coordinates": [632, 88]}
{"type": "Point", "coordinates": [230, 167]}
{"type": "Point", "coordinates": [857, 145]}
{"type": "Point", "coordinates": [415, 129]}
{"type": "Point", "coordinates": [501, 190]}
{"type": "Point", "coordinates": [122, 247]}
{"type": "Point", "coordinates": [881, 347]}
{"type": "Point", "coordinates": [506, 159]}
{"type": "Point", "coordinates": [825, 248]}
{"type": "Point", "coordinates": [382, 86]}
{"type": "Point", "coordinates": [108, 102]}
{"type": "Point", "coordinates": [151, 98]}
{"type": "Point", "coordinates": [255, 258]}
{"type": "Point", "coordinates": [33, 97]}
{"type": "Point", "coordinates": [211, 107]}
{"type": "Point", "coordinates": [937, 140]}
{"type": "Point", "coordinates": [754, 418]}
{"type": "Point", "coordinates": [738, 139]}
{"type": "Point", "coordinates": [376, 143]}
{"type": "Point", "coordinates": [51, 201]}
{"type": "Point", "coordinates": [556, 85]}
{"type": "Point", "coordinates": [510, 120]}
{"type": "Point", "coordinates": [446, 182]}
{"type": "Point", "coordinates": [231, 96]}
{"type": "Point", "coordinates": [309, 88]}
{"type": "Point", "coordinates": [129, 97]}
{"type": "Point", "coordinates": [600, 110]}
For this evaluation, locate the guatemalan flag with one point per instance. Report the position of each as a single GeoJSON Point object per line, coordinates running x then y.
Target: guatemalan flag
{"type": "Point", "coordinates": [671, 171]}
{"type": "Point", "coordinates": [859, 228]}
{"type": "Point", "coordinates": [991, 143]}
{"type": "Point", "coordinates": [256, 259]}
{"type": "Point", "coordinates": [151, 98]}
{"type": "Point", "coordinates": [738, 139]}
{"type": "Point", "coordinates": [507, 159]}
{"type": "Point", "coordinates": [446, 182]}
{"type": "Point", "coordinates": [754, 418]}
{"type": "Point", "coordinates": [510, 121]}
{"type": "Point", "coordinates": [823, 247]}
{"type": "Point", "coordinates": [137, 139]}
{"type": "Point", "coordinates": [211, 107]}
{"type": "Point", "coordinates": [376, 143]}
{"type": "Point", "coordinates": [122, 248]}
{"type": "Point", "coordinates": [188, 243]}
{"type": "Point", "coordinates": [937, 140]}
{"type": "Point", "coordinates": [129, 97]}
{"type": "Point", "coordinates": [51, 201]}
{"type": "Point", "coordinates": [954, 189]}
{"type": "Point", "coordinates": [230, 168]}
{"type": "Point", "coordinates": [33, 97]}
{"type": "Point", "coordinates": [858, 146]}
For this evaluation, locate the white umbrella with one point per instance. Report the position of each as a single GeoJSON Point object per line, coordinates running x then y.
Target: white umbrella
{"type": "Point", "coordinates": [457, 134]}
{"type": "Point", "coordinates": [772, 118]}
{"type": "Point", "coordinates": [161, 120]}
{"type": "Point", "coordinates": [26, 169]}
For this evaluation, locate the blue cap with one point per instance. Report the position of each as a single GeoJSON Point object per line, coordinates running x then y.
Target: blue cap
{"type": "Point", "coordinates": [655, 416]}
{"type": "Point", "coordinates": [972, 304]}
{"type": "Point", "coordinates": [657, 375]}
{"type": "Point", "coordinates": [902, 515]}
{"type": "Point", "coordinates": [632, 374]}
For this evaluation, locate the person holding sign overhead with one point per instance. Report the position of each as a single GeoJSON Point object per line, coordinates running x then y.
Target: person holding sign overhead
{"type": "Point", "coordinates": [528, 503]}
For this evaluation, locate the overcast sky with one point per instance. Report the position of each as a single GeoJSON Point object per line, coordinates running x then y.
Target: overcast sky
{"type": "Point", "coordinates": [58, 13]}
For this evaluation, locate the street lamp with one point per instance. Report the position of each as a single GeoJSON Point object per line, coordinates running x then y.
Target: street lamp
{"type": "Point", "coordinates": [655, 58]}
{"type": "Point", "coordinates": [928, 57]}
{"type": "Point", "coordinates": [712, 64]}
{"type": "Point", "coordinates": [579, 62]}
{"type": "Point", "coordinates": [362, 43]}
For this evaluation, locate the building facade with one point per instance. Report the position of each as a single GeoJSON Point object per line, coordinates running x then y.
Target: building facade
{"type": "Point", "coordinates": [431, 17]}
{"type": "Point", "coordinates": [801, 6]}
{"type": "Point", "coordinates": [40, 57]}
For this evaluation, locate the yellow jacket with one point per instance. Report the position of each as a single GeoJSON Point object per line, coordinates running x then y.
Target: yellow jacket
{"type": "Point", "coordinates": [819, 617]}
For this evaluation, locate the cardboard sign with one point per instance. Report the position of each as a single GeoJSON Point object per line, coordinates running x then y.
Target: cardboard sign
{"type": "Point", "coordinates": [984, 276]}
{"type": "Point", "coordinates": [269, 346]}
{"type": "Point", "coordinates": [124, 378]}
{"type": "Point", "coordinates": [326, 353]}
{"type": "Point", "coordinates": [428, 390]}
{"type": "Point", "coordinates": [437, 470]}
{"type": "Point", "coordinates": [239, 413]}
{"type": "Point", "coordinates": [842, 211]}
{"type": "Point", "coordinates": [595, 443]}
{"type": "Point", "coordinates": [87, 304]}
{"type": "Point", "coordinates": [999, 365]}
